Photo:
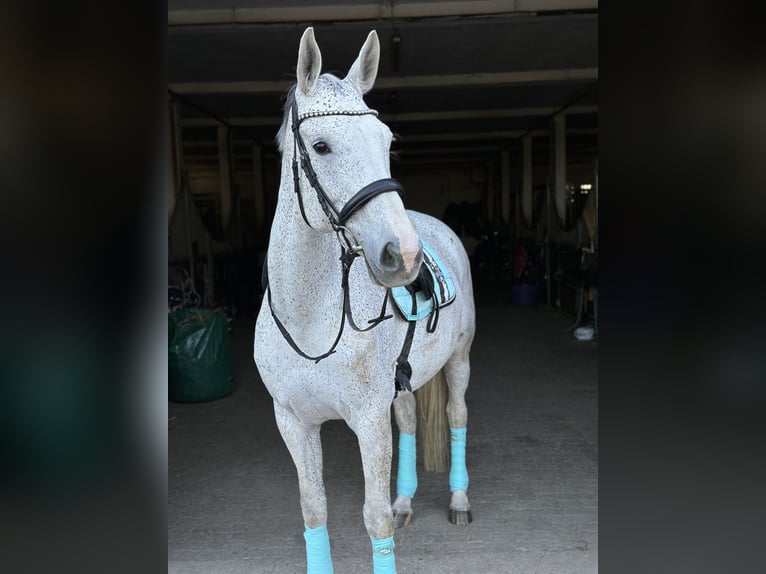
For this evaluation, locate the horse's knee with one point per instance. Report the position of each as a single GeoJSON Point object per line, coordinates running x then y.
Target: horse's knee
{"type": "Point", "coordinates": [314, 509]}
{"type": "Point", "coordinates": [378, 519]}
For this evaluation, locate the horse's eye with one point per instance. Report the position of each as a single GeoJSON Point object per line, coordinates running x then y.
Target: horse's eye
{"type": "Point", "coordinates": [321, 148]}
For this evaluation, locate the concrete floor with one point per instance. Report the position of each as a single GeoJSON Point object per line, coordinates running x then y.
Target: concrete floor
{"type": "Point", "coordinates": [532, 456]}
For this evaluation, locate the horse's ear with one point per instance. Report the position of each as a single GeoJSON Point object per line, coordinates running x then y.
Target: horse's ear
{"type": "Point", "coordinates": [365, 69]}
{"type": "Point", "coordinates": [309, 62]}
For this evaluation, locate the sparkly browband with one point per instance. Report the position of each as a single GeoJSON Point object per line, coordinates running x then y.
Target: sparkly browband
{"type": "Point", "coordinates": [317, 114]}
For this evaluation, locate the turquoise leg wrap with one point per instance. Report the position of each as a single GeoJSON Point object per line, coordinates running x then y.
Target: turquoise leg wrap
{"type": "Point", "coordinates": [406, 478]}
{"type": "Point", "coordinates": [458, 474]}
{"type": "Point", "coordinates": [318, 559]}
{"type": "Point", "coordinates": [383, 561]}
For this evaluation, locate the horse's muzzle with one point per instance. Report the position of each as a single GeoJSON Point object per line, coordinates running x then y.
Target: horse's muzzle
{"type": "Point", "coordinates": [394, 266]}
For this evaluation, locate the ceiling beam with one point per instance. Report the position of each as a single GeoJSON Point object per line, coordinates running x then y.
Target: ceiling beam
{"type": "Point", "coordinates": [241, 121]}
{"type": "Point", "coordinates": [465, 136]}
{"type": "Point", "coordinates": [449, 150]}
{"type": "Point", "coordinates": [485, 114]}
{"type": "Point", "coordinates": [474, 136]}
{"type": "Point", "coordinates": [284, 14]}
{"type": "Point", "coordinates": [452, 161]}
{"type": "Point", "coordinates": [388, 83]}
{"type": "Point", "coordinates": [410, 116]}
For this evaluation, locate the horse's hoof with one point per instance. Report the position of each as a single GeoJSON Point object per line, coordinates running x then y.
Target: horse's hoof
{"type": "Point", "coordinates": [402, 519]}
{"type": "Point", "coordinates": [460, 517]}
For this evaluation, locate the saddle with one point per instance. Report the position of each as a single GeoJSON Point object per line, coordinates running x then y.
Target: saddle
{"type": "Point", "coordinates": [432, 289]}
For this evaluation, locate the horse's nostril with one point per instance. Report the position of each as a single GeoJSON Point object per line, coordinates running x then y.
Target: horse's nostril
{"type": "Point", "coordinates": [390, 259]}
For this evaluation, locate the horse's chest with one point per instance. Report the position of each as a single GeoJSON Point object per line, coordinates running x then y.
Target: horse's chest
{"type": "Point", "coordinates": [354, 374]}
{"type": "Point", "coordinates": [322, 393]}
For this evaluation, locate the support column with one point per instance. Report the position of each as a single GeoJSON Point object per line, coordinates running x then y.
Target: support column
{"type": "Point", "coordinates": [595, 198]}
{"type": "Point", "coordinates": [224, 176]}
{"type": "Point", "coordinates": [174, 172]}
{"type": "Point", "coordinates": [505, 187]}
{"type": "Point", "coordinates": [526, 179]}
{"type": "Point", "coordinates": [560, 166]}
{"type": "Point", "coordinates": [490, 191]}
{"type": "Point", "coordinates": [175, 116]}
{"type": "Point", "coordinates": [550, 214]}
{"type": "Point", "coordinates": [259, 197]}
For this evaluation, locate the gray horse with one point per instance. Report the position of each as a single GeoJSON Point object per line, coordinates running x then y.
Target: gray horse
{"type": "Point", "coordinates": [337, 197]}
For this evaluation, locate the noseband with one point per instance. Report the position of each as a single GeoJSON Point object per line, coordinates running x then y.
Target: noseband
{"type": "Point", "coordinates": [350, 250]}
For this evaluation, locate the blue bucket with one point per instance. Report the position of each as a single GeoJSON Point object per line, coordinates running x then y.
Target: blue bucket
{"type": "Point", "coordinates": [524, 294]}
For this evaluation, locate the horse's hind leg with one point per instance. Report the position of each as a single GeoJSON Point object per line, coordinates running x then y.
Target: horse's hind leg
{"type": "Point", "coordinates": [458, 371]}
{"type": "Point", "coordinates": [406, 478]}
{"type": "Point", "coordinates": [303, 442]}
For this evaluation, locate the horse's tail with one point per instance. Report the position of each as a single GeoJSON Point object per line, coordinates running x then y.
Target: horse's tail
{"type": "Point", "coordinates": [432, 422]}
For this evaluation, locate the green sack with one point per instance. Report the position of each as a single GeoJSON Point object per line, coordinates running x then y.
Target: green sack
{"type": "Point", "coordinates": [199, 355]}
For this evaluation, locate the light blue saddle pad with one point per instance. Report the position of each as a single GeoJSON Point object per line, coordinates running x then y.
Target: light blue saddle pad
{"type": "Point", "coordinates": [440, 282]}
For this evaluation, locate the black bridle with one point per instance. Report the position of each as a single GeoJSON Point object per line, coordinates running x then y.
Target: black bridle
{"type": "Point", "coordinates": [350, 249]}
{"type": "Point", "coordinates": [337, 218]}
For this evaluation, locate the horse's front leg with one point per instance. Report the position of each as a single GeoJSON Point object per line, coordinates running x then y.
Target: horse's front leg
{"type": "Point", "coordinates": [374, 434]}
{"type": "Point", "coordinates": [406, 477]}
{"type": "Point", "coordinates": [303, 442]}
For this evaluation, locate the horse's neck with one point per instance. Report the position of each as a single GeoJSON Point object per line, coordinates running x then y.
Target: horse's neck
{"type": "Point", "coordinates": [303, 266]}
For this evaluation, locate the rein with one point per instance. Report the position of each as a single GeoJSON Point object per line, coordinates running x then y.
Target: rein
{"type": "Point", "coordinates": [350, 249]}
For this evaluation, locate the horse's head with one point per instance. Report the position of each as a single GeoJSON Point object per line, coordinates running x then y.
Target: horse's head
{"type": "Point", "coordinates": [343, 153]}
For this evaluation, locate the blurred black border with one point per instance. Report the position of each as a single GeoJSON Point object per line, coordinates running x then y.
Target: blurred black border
{"type": "Point", "coordinates": [83, 399]}
{"type": "Point", "coordinates": [682, 372]}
